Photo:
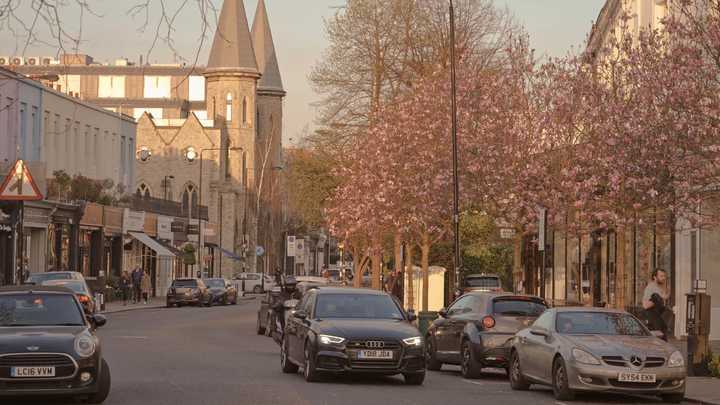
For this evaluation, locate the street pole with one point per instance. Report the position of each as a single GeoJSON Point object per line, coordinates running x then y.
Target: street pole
{"type": "Point", "coordinates": [456, 187]}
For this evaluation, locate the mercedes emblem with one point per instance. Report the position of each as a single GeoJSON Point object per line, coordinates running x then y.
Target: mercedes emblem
{"type": "Point", "coordinates": [636, 361]}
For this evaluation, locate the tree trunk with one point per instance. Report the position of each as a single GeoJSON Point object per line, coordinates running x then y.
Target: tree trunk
{"type": "Point", "coordinates": [410, 291]}
{"type": "Point", "coordinates": [358, 263]}
{"type": "Point", "coordinates": [377, 270]}
{"type": "Point", "coordinates": [517, 263]}
{"type": "Point", "coordinates": [620, 271]}
{"type": "Point", "coordinates": [425, 253]}
{"type": "Point", "coordinates": [398, 251]}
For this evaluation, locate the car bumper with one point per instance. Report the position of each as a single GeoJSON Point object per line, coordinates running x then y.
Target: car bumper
{"type": "Point", "coordinates": [669, 380]}
{"type": "Point", "coordinates": [71, 385]}
{"type": "Point", "coordinates": [409, 361]}
{"type": "Point", "coordinates": [183, 299]}
{"type": "Point", "coordinates": [493, 349]}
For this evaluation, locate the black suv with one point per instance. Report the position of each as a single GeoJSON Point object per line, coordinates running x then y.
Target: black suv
{"type": "Point", "coordinates": [48, 345]}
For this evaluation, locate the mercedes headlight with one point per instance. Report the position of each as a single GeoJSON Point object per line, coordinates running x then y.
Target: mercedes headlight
{"type": "Point", "coordinates": [413, 341]}
{"type": "Point", "coordinates": [330, 340]}
{"type": "Point", "coordinates": [676, 360]}
{"type": "Point", "coordinates": [85, 346]}
{"type": "Point", "coordinates": [583, 357]}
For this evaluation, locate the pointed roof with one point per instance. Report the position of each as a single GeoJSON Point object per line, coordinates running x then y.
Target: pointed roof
{"type": "Point", "coordinates": [232, 48]}
{"type": "Point", "coordinates": [265, 51]}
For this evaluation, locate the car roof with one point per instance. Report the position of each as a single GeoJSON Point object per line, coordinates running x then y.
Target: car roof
{"type": "Point", "coordinates": [495, 294]}
{"type": "Point", "coordinates": [348, 290]}
{"type": "Point", "coordinates": [187, 279]}
{"type": "Point", "coordinates": [32, 288]}
{"type": "Point", "coordinates": [589, 309]}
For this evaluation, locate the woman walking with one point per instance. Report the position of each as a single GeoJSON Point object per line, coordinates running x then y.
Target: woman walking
{"type": "Point", "coordinates": [145, 286]}
{"type": "Point", "coordinates": [125, 286]}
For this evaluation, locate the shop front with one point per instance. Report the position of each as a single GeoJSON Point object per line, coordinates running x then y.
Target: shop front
{"type": "Point", "coordinates": [113, 241]}
{"type": "Point", "coordinates": [8, 219]}
{"type": "Point", "coordinates": [63, 237]}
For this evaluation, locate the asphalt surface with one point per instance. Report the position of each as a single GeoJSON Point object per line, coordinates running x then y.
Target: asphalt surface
{"type": "Point", "coordinates": [213, 356]}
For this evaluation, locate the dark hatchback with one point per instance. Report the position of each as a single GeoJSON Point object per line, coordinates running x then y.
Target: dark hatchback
{"type": "Point", "coordinates": [476, 330]}
{"type": "Point", "coordinates": [188, 291]}
{"type": "Point", "coordinates": [48, 346]}
{"type": "Point", "coordinates": [222, 291]}
{"type": "Point", "coordinates": [348, 330]}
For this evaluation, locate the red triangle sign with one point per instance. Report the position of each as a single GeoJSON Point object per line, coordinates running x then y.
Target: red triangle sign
{"type": "Point", "coordinates": [19, 185]}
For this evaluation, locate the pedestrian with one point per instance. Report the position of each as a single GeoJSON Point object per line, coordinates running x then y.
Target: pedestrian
{"type": "Point", "coordinates": [125, 286]}
{"type": "Point", "coordinates": [655, 300]}
{"type": "Point", "coordinates": [396, 286]}
{"type": "Point", "coordinates": [136, 279]}
{"type": "Point", "coordinates": [146, 286]}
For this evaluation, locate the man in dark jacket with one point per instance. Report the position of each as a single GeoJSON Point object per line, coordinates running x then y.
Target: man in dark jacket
{"type": "Point", "coordinates": [655, 299]}
{"type": "Point", "coordinates": [137, 275]}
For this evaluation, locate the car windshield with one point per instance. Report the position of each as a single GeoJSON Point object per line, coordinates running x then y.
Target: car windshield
{"type": "Point", "coordinates": [41, 277]}
{"type": "Point", "coordinates": [39, 310]}
{"type": "Point", "coordinates": [184, 284]}
{"type": "Point", "coordinates": [77, 286]}
{"type": "Point", "coordinates": [482, 282]}
{"type": "Point", "coordinates": [518, 306]}
{"type": "Point", "coordinates": [599, 323]}
{"type": "Point", "coordinates": [215, 282]}
{"type": "Point", "coordinates": [361, 306]}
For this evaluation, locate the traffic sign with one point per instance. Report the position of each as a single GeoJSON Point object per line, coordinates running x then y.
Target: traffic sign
{"type": "Point", "coordinates": [19, 185]}
{"type": "Point", "coordinates": [259, 251]}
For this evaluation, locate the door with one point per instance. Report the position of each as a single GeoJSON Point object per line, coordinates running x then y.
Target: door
{"type": "Point", "coordinates": [458, 321]}
{"type": "Point", "coordinates": [446, 333]}
{"type": "Point", "coordinates": [533, 347]}
{"type": "Point", "coordinates": [299, 328]}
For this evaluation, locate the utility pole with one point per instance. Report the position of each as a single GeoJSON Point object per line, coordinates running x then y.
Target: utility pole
{"type": "Point", "coordinates": [456, 187]}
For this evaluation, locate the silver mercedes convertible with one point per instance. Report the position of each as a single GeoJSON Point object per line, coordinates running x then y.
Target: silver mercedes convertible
{"type": "Point", "coordinates": [595, 350]}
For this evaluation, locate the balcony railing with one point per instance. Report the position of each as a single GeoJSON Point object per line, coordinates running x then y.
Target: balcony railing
{"type": "Point", "coordinates": [166, 207]}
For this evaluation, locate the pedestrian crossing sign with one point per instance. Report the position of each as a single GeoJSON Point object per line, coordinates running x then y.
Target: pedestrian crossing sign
{"type": "Point", "coordinates": [19, 185]}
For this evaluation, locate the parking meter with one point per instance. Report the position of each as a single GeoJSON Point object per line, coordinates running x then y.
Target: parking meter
{"type": "Point", "coordinates": [698, 330]}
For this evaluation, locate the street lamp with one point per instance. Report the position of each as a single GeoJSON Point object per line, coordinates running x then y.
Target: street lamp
{"type": "Point", "coordinates": [456, 186]}
{"type": "Point", "coordinates": [166, 184]}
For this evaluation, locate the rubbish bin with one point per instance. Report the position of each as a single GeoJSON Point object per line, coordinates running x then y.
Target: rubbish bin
{"type": "Point", "coordinates": [425, 318]}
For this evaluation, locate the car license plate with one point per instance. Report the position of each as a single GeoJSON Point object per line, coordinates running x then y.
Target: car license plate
{"type": "Point", "coordinates": [31, 372]}
{"type": "Point", "coordinates": [375, 355]}
{"type": "Point", "coordinates": [637, 377]}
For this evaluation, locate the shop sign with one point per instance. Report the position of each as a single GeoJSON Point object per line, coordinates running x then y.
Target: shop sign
{"type": "Point", "coordinates": [178, 227]}
{"type": "Point", "coordinates": [193, 229]}
{"type": "Point", "coordinates": [164, 228]}
{"type": "Point", "coordinates": [507, 233]}
{"type": "Point", "coordinates": [291, 246]}
{"type": "Point", "coordinates": [133, 221]}
{"type": "Point", "coordinates": [299, 251]}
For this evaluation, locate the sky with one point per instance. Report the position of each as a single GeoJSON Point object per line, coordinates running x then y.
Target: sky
{"type": "Point", "coordinates": [554, 26]}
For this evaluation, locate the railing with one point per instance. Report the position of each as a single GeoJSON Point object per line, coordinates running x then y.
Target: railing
{"type": "Point", "coordinates": [165, 207]}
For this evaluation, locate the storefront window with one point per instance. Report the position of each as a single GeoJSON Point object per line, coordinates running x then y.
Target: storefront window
{"type": "Point", "coordinates": [85, 252]}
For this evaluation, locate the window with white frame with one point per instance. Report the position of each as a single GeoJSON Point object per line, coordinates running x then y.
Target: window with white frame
{"type": "Point", "coordinates": [143, 191]}
{"type": "Point", "coordinates": [111, 86]}
{"type": "Point", "coordinates": [196, 88]}
{"type": "Point", "coordinates": [157, 87]}
{"type": "Point", "coordinates": [228, 107]}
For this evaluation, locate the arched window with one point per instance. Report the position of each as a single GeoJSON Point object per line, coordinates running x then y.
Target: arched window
{"type": "Point", "coordinates": [228, 107]}
{"type": "Point", "coordinates": [143, 191]}
{"type": "Point", "coordinates": [244, 111]}
{"type": "Point", "coordinates": [189, 199]}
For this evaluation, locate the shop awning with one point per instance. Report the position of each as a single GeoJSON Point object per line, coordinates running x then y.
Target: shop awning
{"type": "Point", "coordinates": [230, 254]}
{"type": "Point", "coordinates": [152, 244]}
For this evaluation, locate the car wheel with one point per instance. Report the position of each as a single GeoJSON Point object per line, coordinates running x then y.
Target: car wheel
{"type": "Point", "coordinates": [560, 386]}
{"type": "Point", "coordinates": [414, 378]}
{"type": "Point", "coordinates": [169, 304]}
{"type": "Point", "coordinates": [260, 329]}
{"type": "Point", "coordinates": [257, 289]}
{"type": "Point", "coordinates": [288, 366]}
{"type": "Point", "coordinates": [517, 380]}
{"type": "Point", "coordinates": [309, 371]}
{"type": "Point", "coordinates": [469, 367]}
{"type": "Point", "coordinates": [431, 361]}
{"type": "Point", "coordinates": [226, 301]}
{"type": "Point", "coordinates": [179, 305]}
{"type": "Point", "coordinates": [209, 302]}
{"type": "Point", "coordinates": [103, 385]}
{"type": "Point", "coordinates": [673, 398]}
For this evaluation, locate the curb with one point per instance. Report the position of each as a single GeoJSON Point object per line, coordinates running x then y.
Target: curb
{"type": "Point", "coordinates": [157, 306]}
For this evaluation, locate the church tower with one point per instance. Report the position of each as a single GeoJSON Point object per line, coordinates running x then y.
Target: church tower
{"type": "Point", "coordinates": [231, 95]}
{"type": "Point", "coordinates": [269, 120]}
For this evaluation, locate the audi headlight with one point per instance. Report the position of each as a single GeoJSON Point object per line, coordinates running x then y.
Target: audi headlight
{"type": "Point", "coordinates": [85, 346]}
{"type": "Point", "coordinates": [328, 340]}
{"type": "Point", "coordinates": [581, 356]}
{"type": "Point", "coordinates": [676, 360]}
{"type": "Point", "coordinates": [413, 341]}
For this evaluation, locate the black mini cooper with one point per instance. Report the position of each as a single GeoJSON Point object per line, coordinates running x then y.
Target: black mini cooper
{"type": "Point", "coordinates": [349, 330]}
{"type": "Point", "coordinates": [48, 345]}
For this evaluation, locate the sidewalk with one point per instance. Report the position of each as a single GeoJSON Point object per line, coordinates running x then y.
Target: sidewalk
{"type": "Point", "coordinates": [703, 390]}
{"type": "Point", "coordinates": [153, 303]}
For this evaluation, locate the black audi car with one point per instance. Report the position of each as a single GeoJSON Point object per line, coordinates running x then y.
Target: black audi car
{"type": "Point", "coordinates": [48, 345]}
{"type": "Point", "coordinates": [347, 330]}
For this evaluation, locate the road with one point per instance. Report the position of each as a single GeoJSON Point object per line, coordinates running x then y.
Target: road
{"type": "Point", "coordinates": [213, 356]}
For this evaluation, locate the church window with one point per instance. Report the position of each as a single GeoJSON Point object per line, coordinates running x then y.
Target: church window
{"type": "Point", "coordinates": [228, 108]}
{"type": "Point", "coordinates": [143, 191]}
{"type": "Point", "coordinates": [244, 111]}
{"type": "Point", "coordinates": [189, 199]}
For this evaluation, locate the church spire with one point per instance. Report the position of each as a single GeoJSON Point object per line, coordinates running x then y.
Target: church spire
{"type": "Point", "coordinates": [232, 48]}
{"type": "Point", "coordinates": [267, 62]}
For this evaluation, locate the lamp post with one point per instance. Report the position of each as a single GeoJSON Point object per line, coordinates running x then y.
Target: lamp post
{"type": "Point", "coordinates": [166, 185]}
{"type": "Point", "coordinates": [456, 187]}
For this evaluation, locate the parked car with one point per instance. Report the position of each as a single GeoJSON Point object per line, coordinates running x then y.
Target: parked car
{"type": "Point", "coordinates": [596, 350]}
{"type": "Point", "coordinates": [222, 291]}
{"type": "Point", "coordinates": [476, 330]}
{"type": "Point", "coordinates": [39, 278]}
{"type": "Point", "coordinates": [349, 330]}
{"type": "Point", "coordinates": [252, 282]}
{"type": "Point", "coordinates": [188, 291]}
{"type": "Point", "coordinates": [482, 282]}
{"type": "Point", "coordinates": [81, 290]}
{"type": "Point", "coordinates": [265, 312]}
{"type": "Point", "coordinates": [48, 346]}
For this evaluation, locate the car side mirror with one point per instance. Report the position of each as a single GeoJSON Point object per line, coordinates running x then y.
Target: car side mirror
{"type": "Point", "coordinates": [539, 332]}
{"type": "Point", "coordinates": [300, 314]}
{"type": "Point", "coordinates": [411, 316]}
{"type": "Point", "coordinates": [98, 320]}
{"type": "Point", "coordinates": [443, 313]}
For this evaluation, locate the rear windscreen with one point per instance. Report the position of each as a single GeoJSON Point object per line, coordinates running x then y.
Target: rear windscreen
{"type": "Point", "coordinates": [492, 282]}
{"type": "Point", "coordinates": [518, 307]}
{"type": "Point", "coordinates": [184, 283]}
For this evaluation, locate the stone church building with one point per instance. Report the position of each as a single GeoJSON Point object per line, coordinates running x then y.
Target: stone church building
{"type": "Point", "coordinates": [230, 159]}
